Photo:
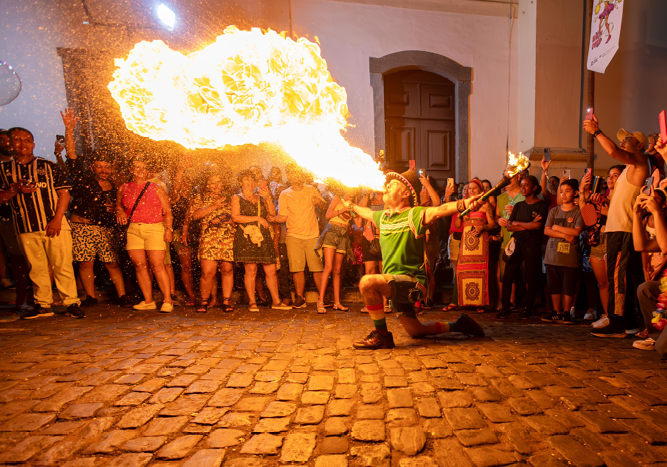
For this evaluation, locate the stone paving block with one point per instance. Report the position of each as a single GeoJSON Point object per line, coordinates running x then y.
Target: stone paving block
{"type": "Point", "coordinates": [371, 392]}
{"type": "Point", "coordinates": [331, 461]}
{"type": "Point", "coordinates": [210, 415]}
{"type": "Point", "coordinates": [264, 388]}
{"type": "Point", "coordinates": [334, 445]}
{"type": "Point", "coordinates": [272, 425]}
{"type": "Point", "coordinates": [340, 407]}
{"type": "Point", "coordinates": [497, 413]}
{"type": "Point", "coordinates": [262, 444]}
{"type": "Point", "coordinates": [298, 447]}
{"type": "Point", "coordinates": [237, 420]}
{"type": "Point", "coordinates": [63, 428]}
{"type": "Point", "coordinates": [545, 425]}
{"type": "Point", "coordinates": [130, 460]}
{"type": "Point", "coordinates": [462, 418]}
{"type": "Point", "coordinates": [447, 383]}
{"type": "Point", "coordinates": [139, 416]}
{"type": "Point", "coordinates": [347, 376]}
{"type": "Point", "coordinates": [370, 412]}
{"type": "Point", "coordinates": [371, 455]}
{"type": "Point", "coordinates": [401, 417]}
{"type": "Point", "coordinates": [133, 399]}
{"type": "Point", "coordinates": [523, 406]}
{"type": "Point", "coordinates": [345, 391]}
{"type": "Point", "coordinates": [368, 430]}
{"type": "Point", "coordinates": [309, 415]}
{"type": "Point", "coordinates": [179, 448]}
{"type": "Point", "coordinates": [289, 392]}
{"type": "Point", "coordinates": [203, 386]}
{"type": "Point", "coordinates": [428, 407]}
{"type": "Point", "coordinates": [27, 422]}
{"type": "Point", "coordinates": [320, 383]}
{"type": "Point", "coordinates": [335, 426]}
{"type": "Point", "coordinates": [408, 440]}
{"type": "Point", "coordinates": [55, 403]}
{"type": "Point", "coordinates": [206, 458]}
{"type": "Point", "coordinates": [449, 452]}
{"type": "Point", "coordinates": [104, 393]}
{"type": "Point", "coordinates": [647, 431]}
{"type": "Point", "coordinates": [455, 399]}
{"type": "Point", "coordinates": [278, 409]}
{"type": "Point", "coordinates": [240, 380]}
{"type": "Point", "coordinates": [223, 438]}
{"type": "Point", "coordinates": [151, 385]}
{"type": "Point", "coordinates": [75, 411]}
{"type": "Point", "coordinates": [486, 456]}
{"type": "Point", "coordinates": [185, 405]}
{"type": "Point", "coordinates": [437, 428]}
{"type": "Point", "coordinates": [487, 394]}
{"type": "Point", "coordinates": [602, 423]}
{"type": "Point", "coordinates": [251, 404]}
{"type": "Point", "coordinates": [110, 441]}
{"type": "Point", "coordinates": [166, 395]}
{"type": "Point", "coordinates": [315, 397]}
{"type": "Point", "coordinates": [225, 397]}
{"type": "Point", "coordinates": [575, 452]}
{"type": "Point", "coordinates": [145, 444]}
{"type": "Point", "coordinates": [27, 448]}
{"type": "Point", "coordinates": [476, 437]}
{"type": "Point", "coordinates": [165, 426]}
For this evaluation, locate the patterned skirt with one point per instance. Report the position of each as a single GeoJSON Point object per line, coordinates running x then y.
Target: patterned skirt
{"type": "Point", "coordinates": [472, 270]}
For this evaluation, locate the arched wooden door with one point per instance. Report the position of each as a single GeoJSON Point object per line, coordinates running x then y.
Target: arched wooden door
{"type": "Point", "coordinates": [420, 122]}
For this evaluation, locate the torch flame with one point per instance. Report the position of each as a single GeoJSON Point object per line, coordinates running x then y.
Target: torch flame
{"type": "Point", "coordinates": [516, 164]}
{"type": "Point", "coordinates": [247, 87]}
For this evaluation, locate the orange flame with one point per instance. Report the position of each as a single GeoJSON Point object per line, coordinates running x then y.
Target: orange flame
{"type": "Point", "coordinates": [516, 164]}
{"type": "Point", "coordinates": [247, 87]}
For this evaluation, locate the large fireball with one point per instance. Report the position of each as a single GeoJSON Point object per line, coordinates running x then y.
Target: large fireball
{"type": "Point", "coordinates": [247, 87]}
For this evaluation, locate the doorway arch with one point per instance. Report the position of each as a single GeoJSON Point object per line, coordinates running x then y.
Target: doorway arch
{"type": "Point", "coordinates": [460, 75]}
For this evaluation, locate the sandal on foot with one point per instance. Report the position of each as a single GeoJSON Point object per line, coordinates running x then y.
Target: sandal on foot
{"type": "Point", "coordinates": [203, 306]}
{"type": "Point", "coordinates": [388, 309]}
{"type": "Point", "coordinates": [227, 305]}
{"type": "Point", "coordinates": [339, 306]}
{"type": "Point", "coordinates": [320, 308]}
{"type": "Point", "coordinates": [190, 302]}
{"type": "Point", "coordinates": [450, 307]}
{"type": "Point", "coordinates": [253, 308]}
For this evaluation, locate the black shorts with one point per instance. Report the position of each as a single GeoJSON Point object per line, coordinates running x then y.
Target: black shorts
{"type": "Point", "coordinates": [366, 255]}
{"type": "Point", "coordinates": [405, 291]}
{"type": "Point", "coordinates": [561, 279]}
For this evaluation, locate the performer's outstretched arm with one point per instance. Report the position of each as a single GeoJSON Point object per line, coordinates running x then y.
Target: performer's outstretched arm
{"type": "Point", "coordinates": [451, 208]}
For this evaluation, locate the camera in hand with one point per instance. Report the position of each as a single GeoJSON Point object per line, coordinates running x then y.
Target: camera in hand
{"type": "Point", "coordinates": [27, 182]}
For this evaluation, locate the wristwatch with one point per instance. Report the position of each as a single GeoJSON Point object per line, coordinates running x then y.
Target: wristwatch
{"type": "Point", "coordinates": [597, 132]}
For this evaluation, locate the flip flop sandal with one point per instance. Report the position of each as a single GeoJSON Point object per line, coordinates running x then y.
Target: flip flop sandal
{"type": "Point", "coordinates": [203, 307]}
{"type": "Point", "coordinates": [253, 308]}
{"type": "Point", "coordinates": [190, 302]}
{"type": "Point", "coordinates": [388, 309]}
{"type": "Point", "coordinates": [320, 308]}
{"type": "Point", "coordinates": [339, 306]}
{"type": "Point", "coordinates": [450, 307]}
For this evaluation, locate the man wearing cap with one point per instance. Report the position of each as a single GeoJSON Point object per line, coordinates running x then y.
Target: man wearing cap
{"type": "Point", "coordinates": [619, 220]}
{"type": "Point", "coordinates": [402, 227]}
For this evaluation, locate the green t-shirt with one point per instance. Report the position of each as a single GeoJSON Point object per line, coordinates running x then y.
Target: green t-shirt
{"type": "Point", "coordinates": [503, 200]}
{"type": "Point", "coordinates": [402, 242]}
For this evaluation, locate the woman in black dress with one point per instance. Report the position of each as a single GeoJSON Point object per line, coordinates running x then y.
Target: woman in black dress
{"type": "Point", "coordinates": [253, 243]}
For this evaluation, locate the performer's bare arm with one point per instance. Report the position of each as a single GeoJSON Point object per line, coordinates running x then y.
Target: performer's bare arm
{"type": "Point", "coordinates": [363, 212]}
{"type": "Point", "coordinates": [449, 209]}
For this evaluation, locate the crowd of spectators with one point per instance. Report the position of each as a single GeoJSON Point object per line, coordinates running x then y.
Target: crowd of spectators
{"type": "Point", "coordinates": [536, 250]}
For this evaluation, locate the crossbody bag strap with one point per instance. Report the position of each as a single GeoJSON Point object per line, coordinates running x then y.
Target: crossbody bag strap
{"type": "Point", "coordinates": [136, 203]}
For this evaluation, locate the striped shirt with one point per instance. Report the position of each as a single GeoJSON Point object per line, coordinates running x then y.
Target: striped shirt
{"type": "Point", "coordinates": [32, 211]}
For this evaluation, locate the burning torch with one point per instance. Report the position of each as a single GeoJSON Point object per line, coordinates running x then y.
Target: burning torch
{"type": "Point", "coordinates": [515, 164]}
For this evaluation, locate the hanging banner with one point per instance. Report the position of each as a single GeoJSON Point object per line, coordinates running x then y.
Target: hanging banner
{"type": "Point", "coordinates": [605, 33]}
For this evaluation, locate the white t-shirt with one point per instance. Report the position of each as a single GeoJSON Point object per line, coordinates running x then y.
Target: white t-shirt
{"type": "Point", "coordinates": [298, 206]}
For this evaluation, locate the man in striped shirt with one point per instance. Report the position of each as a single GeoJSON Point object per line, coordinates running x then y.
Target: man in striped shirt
{"type": "Point", "coordinates": [38, 193]}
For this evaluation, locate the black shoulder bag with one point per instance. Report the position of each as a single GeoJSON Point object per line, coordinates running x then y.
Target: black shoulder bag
{"type": "Point", "coordinates": [136, 203]}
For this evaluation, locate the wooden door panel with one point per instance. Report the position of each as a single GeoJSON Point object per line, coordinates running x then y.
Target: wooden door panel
{"type": "Point", "coordinates": [437, 147]}
{"type": "Point", "coordinates": [401, 139]}
{"type": "Point", "coordinates": [437, 101]}
{"type": "Point", "coordinates": [402, 100]}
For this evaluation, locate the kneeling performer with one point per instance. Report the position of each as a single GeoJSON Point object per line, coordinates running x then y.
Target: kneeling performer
{"type": "Point", "coordinates": [402, 226]}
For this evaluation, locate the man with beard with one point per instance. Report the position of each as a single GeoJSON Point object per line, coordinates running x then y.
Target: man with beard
{"type": "Point", "coordinates": [9, 238]}
{"type": "Point", "coordinates": [93, 218]}
{"type": "Point", "coordinates": [402, 226]}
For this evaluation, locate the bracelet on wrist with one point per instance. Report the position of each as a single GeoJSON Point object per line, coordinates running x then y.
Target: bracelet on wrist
{"type": "Point", "coordinates": [597, 132]}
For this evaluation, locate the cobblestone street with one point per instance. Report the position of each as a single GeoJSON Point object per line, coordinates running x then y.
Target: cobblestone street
{"type": "Point", "coordinates": [124, 388]}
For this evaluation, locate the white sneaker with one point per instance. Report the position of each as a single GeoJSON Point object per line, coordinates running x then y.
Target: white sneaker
{"type": "Point", "coordinates": [647, 344]}
{"type": "Point", "coordinates": [142, 305]}
{"type": "Point", "coordinates": [589, 316]}
{"type": "Point", "coordinates": [167, 307]}
{"type": "Point", "coordinates": [602, 322]}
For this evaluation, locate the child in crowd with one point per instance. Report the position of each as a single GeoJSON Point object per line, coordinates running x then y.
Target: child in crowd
{"type": "Point", "coordinates": [563, 254]}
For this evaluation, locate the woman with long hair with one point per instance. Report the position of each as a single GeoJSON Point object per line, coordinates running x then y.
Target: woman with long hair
{"type": "Point", "coordinates": [526, 223]}
{"type": "Point", "coordinates": [336, 244]}
{"type": "Point", "coordinates": [145, 206]}
{"type": "Point", "coordinates": [216, 244]}
{"type": "Point", "coordinates": [472, 275]}
{"type": "Point", "coordinates": [253, 243]}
